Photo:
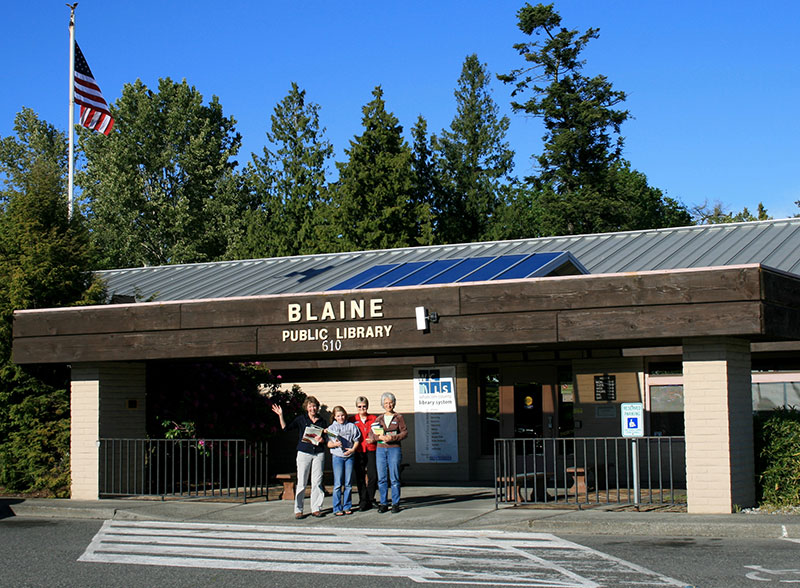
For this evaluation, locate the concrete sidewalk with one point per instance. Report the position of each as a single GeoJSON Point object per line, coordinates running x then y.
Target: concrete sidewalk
{"type": "Point", "coordinates": [425, 507]}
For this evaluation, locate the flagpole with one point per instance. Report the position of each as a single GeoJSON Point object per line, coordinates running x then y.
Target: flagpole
{"type": "Point", "coordinates": [71, 156]}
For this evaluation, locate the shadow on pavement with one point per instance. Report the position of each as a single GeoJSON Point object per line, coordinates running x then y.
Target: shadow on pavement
{"type": "Point", "coordinates": [5, 507]}
{"type": "Point", "coordinates": [438, 499]}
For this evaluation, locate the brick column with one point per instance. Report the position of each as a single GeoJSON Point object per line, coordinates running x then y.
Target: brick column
{"type": "Point", "coordinates": [719, 424]}
{"type": "Point", "coordinates": [107, 400]}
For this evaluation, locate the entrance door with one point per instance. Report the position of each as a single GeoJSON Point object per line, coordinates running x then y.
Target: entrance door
{"type": "Point", "coordinates": [528, 410]}
{"type": "Point", "coordinates": [527, 400]}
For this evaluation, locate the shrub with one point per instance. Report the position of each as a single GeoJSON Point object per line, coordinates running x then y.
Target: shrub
{"type": "Point", "coordinates": [777, 440]}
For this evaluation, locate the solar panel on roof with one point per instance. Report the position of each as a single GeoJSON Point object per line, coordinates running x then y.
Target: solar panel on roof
{"type": "Point", "coordinates": [393, 275]}
{"type": "Point", "coordinates": [450, 271]}
{"type": "Point", "coordinates": [422, 275]}
{"type": "Point", "coordinates": [528, 266]}
{"type": "Point", "coordinates": [358, 280]}
{"type": "Point", "coordinates": [492, 269]}
{"type": "Point", "coordinates": [458, 271]}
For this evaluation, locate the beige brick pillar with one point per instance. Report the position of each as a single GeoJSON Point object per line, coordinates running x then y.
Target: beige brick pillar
{"type": "Point", "coordinates": [719, 424]}
{"type": "Point", "coordinates": [107, 400]}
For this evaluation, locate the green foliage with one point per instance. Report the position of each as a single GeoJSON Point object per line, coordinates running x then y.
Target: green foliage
{"type": "Point", "coordinates": [374, 201]}
{"type": "Point", "coordinates": [705, 214]}
{"type": "Point", "coordinates": [581, 122]}
{"type": "Point", "coordinates": [473, 161]}
{"type": "Point", "coordinates": [584, 185]}
{"type": "Point", "coordinates": [160, 187]}
{"type": "Point", "coordinates": [35, 141]}
{"type": "Point", "coordinates": [34, 424]}
{"type": "Point", "coordinates": [427, 184]}
{"type": "Point", "coordinates": [44, 262]}
{"type": "Point", "coordinates": [777, 440]}
{"type": "Point", "coordinates": [624, 202]}
{"type": "Point", "coordinates": [289, 184]}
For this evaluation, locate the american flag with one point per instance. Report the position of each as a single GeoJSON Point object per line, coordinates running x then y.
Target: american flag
{"type": "Point", "coordinates": [94, 109]}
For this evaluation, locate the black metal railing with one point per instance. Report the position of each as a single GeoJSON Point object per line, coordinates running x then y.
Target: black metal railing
{"type": "Point", "coordinates": [233, 469]}
{"type": "Point", "coordinates": [590, 470]}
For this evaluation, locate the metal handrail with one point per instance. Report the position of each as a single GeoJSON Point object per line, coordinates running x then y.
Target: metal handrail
{"type": "Point", "coordinates": [589, 470]}
{"type": "Point", "coordinates": [184, 468]}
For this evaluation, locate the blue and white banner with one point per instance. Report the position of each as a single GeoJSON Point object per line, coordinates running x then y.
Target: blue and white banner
{"type": "Point", "coordinates": [435, 419]}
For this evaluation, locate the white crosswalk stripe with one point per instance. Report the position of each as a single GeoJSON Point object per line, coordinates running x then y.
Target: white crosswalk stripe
{"type": "Point", "coordinates": [453, 557]}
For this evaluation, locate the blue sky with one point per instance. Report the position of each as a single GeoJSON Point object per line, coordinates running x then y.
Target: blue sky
{"type": "Point", "coordinates": [713, 87]}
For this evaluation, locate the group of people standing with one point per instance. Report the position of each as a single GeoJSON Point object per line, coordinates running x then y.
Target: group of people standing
{"type": "Point", "coordinates": [363, 444]}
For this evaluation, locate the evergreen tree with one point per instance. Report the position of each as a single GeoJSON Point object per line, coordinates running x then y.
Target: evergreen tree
{"type": "Point", "coordinates": [582, 125]}
{"type": "Point", "coordinates": [374, 199]}
{"type": "Point", "coordinates": [583, 185]}
{"type": "Point", "coordinates": [289, 183]}
{"type": "Point", "coordinates": [45, 259]}
{"type": "Point", "coordinates": [473, 159]}
{"type": "Point", "coordinates": [35, 140]}
{"type": "Point", "coordinates": [705, 214]}
{"type": "Point", "coordinates": [426, 180]}
{"type": "Point", "coordinates": [160, 186]}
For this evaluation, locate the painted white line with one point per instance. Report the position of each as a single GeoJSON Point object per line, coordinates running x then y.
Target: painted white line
{"type": "Point", "coordinates": [489, 558]}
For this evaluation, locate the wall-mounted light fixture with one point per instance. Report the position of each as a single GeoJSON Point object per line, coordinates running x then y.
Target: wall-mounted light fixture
{"type": "Point", "coordinates": [424, 318]}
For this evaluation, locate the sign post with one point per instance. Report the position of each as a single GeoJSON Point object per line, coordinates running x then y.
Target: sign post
{"type": "Point", "coordinates": [632, 416]}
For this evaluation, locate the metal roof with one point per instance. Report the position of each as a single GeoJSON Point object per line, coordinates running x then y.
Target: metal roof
{"type": "Point", "coordinates": [773, 243]}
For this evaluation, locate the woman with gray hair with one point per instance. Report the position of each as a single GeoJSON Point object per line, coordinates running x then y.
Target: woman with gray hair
{"type": "Point", "coordinates": [388, 430]}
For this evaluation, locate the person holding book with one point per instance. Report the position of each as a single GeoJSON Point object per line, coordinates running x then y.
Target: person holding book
{"type": "Point", "coordinates": [343, 441]}
{"type": "Point", "coordinates": [364, 466]}
{"type": "Point", "coordinates": [388, 430]}
{"type": "Point", "coordinates": [310, 454]}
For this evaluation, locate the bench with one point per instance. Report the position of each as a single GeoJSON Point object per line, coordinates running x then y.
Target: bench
{"type": "Point", "coordinates": [578, 486]}
{"type": "Point", "coordinates": [515, 486]}
{"type": "Point", "coordinates": [538, 483]}
{"type": "Point", "coordinates": [289, 482]}
{"type": "Point", "coordinates": [289, 485]}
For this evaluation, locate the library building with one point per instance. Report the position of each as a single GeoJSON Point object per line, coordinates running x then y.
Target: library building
{"type": "Point", "coordinates": [548, 339]}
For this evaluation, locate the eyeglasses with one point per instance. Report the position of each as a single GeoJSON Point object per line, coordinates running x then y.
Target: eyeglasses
{"type": "Point", "coordinates": [362, 406]}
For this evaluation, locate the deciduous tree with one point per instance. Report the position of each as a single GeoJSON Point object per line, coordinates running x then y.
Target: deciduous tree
{"type": "Point", "coordinates": [159, 187]}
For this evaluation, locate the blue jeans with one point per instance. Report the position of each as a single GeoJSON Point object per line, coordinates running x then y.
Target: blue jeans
{"type": "Point", "coordinates": [388, 461]}
{"type": "Point", "coordinates": [342, 483]}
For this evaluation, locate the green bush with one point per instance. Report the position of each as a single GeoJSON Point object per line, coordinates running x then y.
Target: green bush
{"type": "Point", "coordinates": [34, 432]}
{"type": "Point", "coordinates": [777, 438]}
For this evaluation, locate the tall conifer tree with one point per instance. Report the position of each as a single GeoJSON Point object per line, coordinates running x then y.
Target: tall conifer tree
{"type": "Point", "coordinates": [474, 160]}
{"type": "Point", "coordinates": [289, 181]}
{"type": "Point", "coordinates": [374, 199]}
{"type": "Point", "coordinates": [45, 261]}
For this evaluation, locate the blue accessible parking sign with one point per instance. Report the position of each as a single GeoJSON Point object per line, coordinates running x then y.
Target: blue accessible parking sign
{"type": "Point", "coordinates": [632, 414]}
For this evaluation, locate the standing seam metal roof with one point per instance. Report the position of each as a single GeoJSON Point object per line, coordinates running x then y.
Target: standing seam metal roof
{"type": "Point", "coordinates": [773, 243]}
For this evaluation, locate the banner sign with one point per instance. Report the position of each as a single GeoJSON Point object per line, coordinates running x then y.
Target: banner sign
{"type": "Point", "coordinates": [435, 418]}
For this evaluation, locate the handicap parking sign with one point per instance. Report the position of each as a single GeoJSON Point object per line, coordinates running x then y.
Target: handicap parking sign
{"type": "Point", "coordinates": [632, 414]}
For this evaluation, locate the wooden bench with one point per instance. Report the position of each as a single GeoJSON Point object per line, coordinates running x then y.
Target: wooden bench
{"type": "Point", "coordinates": [289, 482]}
{"type": "Point", "coordinates": [289, 485]}
{"type": "Point", "coordinates": [578, 486]}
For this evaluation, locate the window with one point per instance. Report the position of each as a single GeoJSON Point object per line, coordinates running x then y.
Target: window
{"type": "Point", "coordinates": [771, 395]}
{"type": "Point", "coordinates": [666, 410]}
